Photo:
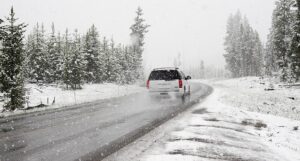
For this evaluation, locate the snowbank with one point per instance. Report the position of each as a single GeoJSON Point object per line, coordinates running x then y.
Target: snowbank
{"type": "Point", "coordinates": [258, 95]}
{"type": "Point", "coordinates": [55, 97]}
{"type": "Point", "coordinates": [217, 131]}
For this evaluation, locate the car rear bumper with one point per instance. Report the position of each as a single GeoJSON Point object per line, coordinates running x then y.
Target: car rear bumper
{"type": "Point", "coordinates": [166, 91]}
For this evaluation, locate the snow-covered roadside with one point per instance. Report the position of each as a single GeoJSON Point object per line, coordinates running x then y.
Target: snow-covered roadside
{"type": "Point", "coordinates": [56, 97]}
{"type": "Point", "coordinates": [215, 131]}
{"type": "Point", "coordinates": [249, 94]}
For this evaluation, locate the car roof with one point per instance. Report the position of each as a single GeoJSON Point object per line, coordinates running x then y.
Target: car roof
{"type": "Point", "coordinates": [166, 68]}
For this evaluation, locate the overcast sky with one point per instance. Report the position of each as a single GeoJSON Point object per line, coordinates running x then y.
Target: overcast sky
{"type": "Point", "coordinates": [194, 28]}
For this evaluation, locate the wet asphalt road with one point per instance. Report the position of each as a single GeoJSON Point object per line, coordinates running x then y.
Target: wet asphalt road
{"type": "Point", "coordinates": [88, 131]}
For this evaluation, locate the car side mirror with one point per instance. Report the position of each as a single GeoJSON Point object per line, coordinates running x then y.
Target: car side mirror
{"type": "Point", "coordinates": [188, 77]}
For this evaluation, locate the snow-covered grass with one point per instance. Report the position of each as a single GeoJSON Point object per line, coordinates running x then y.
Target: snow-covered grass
{"type": "Point", "coordinates": [216, 131]}
{"type": "Point", "coordinates": [249, 94]}
{"type": "Point", "coordinates": [56, 97]}
{"type": "Point", "coordinates": [221, 129]}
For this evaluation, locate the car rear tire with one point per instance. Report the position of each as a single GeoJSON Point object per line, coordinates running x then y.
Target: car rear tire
{"type": "Point", "coordinates": [184, 94]}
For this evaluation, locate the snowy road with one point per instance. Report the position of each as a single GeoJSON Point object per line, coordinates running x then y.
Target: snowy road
{"type": "Point", "coordinates": [90, 131]}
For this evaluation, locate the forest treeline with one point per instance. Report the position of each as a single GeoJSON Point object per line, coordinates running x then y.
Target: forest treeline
{"type": "Point", "coordinates": [69, 58]}
{"type": "Point", "coordinates": [280, 56]}
{"type": "Point", "coordinates": [74, 58]}
{"type": "Point", "coordinates": [244, 50]}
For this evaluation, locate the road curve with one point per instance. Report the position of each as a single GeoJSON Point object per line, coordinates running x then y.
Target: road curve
{"type": "Point", "coordinates": [89, 131]}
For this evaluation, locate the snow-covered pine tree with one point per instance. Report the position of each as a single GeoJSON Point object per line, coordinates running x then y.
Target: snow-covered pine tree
{"type": "Point", "coordinates": [294, 54]}
{"type": "Point", "coordinates": [232, 44]}
{"type": "Point", "coordinates": [28, 47]}
{"type": "Point", "coordinates": [121, 65]}
{"type": "Point", "coordinates": [254, 53]}
{"type": "Point", "coordinates": [76, 63]}
{"type": "Point", "coordinates": [270, 57]}
{"type": "Point", "coordinates": [11, 61]}
{"type": "Point", "coordinates": [258, 58]}
{"type": "Point", "coordinates": [46, 64]}
{"type": "Point", "coordinates": [1, 37]}
{"type": "Point", "coordinates": [92, 56]}
{"type": "Point", "coordinates": [54, 56]}
{"type": "Point", "coordinates": [106, 57]}
{"type": "Point", "coordinates": [58, 75]}
{"type": "Point", "coordinates": [243, 48]}
{"type": "Point", "coordinates": [111, 66]}
{"type": "Point", "coordinates": [67, 59]}
{"type": "Point", "coordinates": [138, 31]}
{"type": "Point", "coordinates": [1, 30]}
{"type": "Point", "coordinates": [37, 55]}
{"type": "Point", "coordinates": [281, 35]}
{"type": "Point", "coordinates": [129, 65]}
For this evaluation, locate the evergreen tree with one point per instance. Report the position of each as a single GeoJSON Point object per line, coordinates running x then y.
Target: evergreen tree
{"type": "Point", "coordinates": [67, 60]}
{"type": "Point", "coordinates": [243, 55]}
{"type": "Point", "coordinates": [46, 57]}
{"type": "Point", "coordinates": [295, 46]}
{"type": "Point", "coordinates": [92, 56]}
{"type": "Point", "coordinates": [1, 37]}
{"type": "Point", "coordinates": [76, 63]}
{"type": "Point", "coordinates": [58, 58]}
{"type": "Point", "coordinates": [113, 69]}
{"type": "Point", "coordinates": [106, 57]}
{"type": "Point", "coordinates": [11, 63]}
{"type": "Point", "coordinates": [1, 30]}
{"type": "Point", "coordinates": [29, 45]}
{"type": "Point", "coordinates": [138, 31]}
{"type": "Point", "coordinates": [54, 56]}
{"type": "Point", "coordinates": [37, 55]}
{"type": "Point", "coordinates": [258, 57]}
{"type": "Point", "coordinates": [121, 65]}
{"type": "Point", "coordinates": [129, 67]}
{"type": "Point", "coordinates": [281, 34]}
{"type": "Point", "coordinates": [111, 63]}
{"type": "Point", "coordinates": [243, 48]}
{"type": "Point", "coordinates": [269, 57]}
{"type": "Point", "coordinates": [232, 44]}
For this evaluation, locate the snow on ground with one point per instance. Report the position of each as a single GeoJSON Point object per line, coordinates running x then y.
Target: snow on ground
{"type": "Point", "coordinates": [219, 130]}
{"type": "Point", "coordinates": [56, 97]}
{"type": "Point", "coordinates": [249, 94]}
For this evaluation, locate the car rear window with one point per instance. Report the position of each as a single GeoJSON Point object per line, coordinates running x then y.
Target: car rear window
{"type": "Point", "coordinates": [164, 75]}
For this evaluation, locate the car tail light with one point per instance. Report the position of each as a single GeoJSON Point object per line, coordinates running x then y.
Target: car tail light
{"type": "Point", "coordinates": [180, 83]}
{"type": "Point", "coordinates": [148, 84]}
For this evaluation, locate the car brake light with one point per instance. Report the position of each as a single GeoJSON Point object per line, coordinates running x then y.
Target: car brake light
{"type": "Point", "coordinates": [148, 84]}
{"type": "Point", "coordinates": [180, 83]}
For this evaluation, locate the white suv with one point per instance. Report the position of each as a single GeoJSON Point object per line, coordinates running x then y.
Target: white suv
{"type": "Point", "coordinates": [168, 80]}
